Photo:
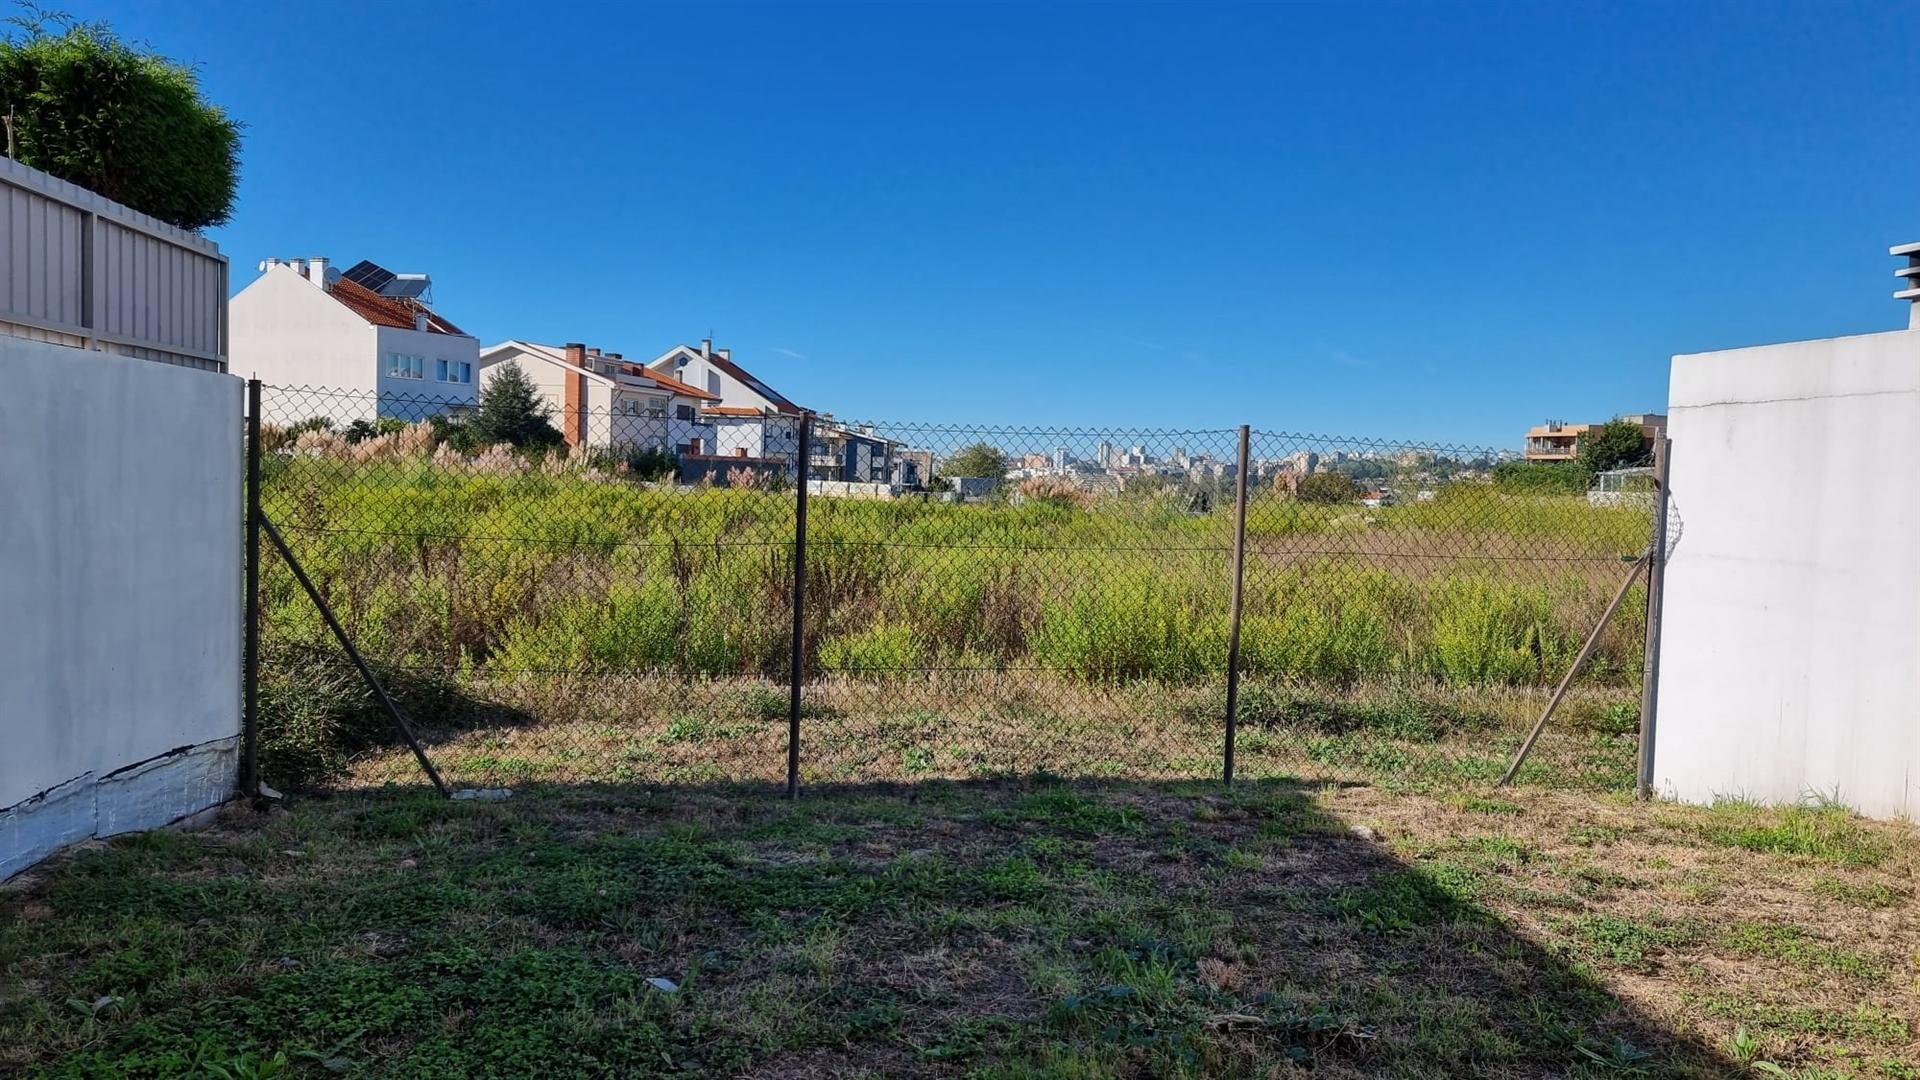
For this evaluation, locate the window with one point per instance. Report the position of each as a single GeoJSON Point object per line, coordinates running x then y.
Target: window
{"type": "Point", "coordinates": [453, 371]}
{"type": "Point", "coordinates": [402, 366]}
{"type": "Point", "coordinates": [657, 408]}
{"type": "Point", "coordinates": [629, 407]}
{"type": "Point", "coordinates": [683, 411]}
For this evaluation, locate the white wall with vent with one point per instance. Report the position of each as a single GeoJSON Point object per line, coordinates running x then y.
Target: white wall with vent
{"type": "Point", "coordinates": [1790, 642]}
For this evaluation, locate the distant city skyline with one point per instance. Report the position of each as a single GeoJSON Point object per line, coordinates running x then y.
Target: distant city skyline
{"type": "Point", "coordinates": [1411, 222]}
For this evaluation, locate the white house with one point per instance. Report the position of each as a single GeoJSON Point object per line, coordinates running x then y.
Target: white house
{"type": "Point", "coordinates": [349, 345]}
{"type": "Point", "coordinates": [602, 399]}
{"type": "Point", "coordinates": [750, 419]}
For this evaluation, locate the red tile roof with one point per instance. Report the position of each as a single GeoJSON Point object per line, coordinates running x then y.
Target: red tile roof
{"type": "Point", "coordinates": [732, 410]}
{"type": "Point", "coordinates": [385, 310]}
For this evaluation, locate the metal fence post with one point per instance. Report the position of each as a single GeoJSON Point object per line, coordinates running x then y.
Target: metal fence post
{"type": "Point", "coordinates": [1656, 579]}
{"type": "Point", "coordinates": [1233, 625]}
{"type": "Point", "coordinates": [797, 660]}
{"type": "Point", "coordinates": [250, 720]}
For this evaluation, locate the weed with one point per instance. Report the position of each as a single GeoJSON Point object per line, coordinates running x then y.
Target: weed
{"type": "Point", "coordinates": [1618, 941]}
{"type": "Point", "coordinates": [1825, 833]}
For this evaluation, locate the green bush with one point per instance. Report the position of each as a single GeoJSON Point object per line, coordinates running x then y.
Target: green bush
{"type": "Point", "coordinates": [1612, 445]}
{"type": "Point", "coordinates": [118, 119]}
{"type": "Point", "coordinates": [652, 464]}
{"type": "Point", "coordinates": [1543, 477]}
{"type": "Point", "coordinates": [362, 430]}
{"type": "Point", "coordinates": [1328, 488]}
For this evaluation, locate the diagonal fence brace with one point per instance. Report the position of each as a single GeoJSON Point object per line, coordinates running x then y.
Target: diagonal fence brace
{"type": "Point", "coordinates": [339, 632]}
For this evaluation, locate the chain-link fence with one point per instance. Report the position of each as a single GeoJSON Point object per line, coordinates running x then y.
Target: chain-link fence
{"type": "Point", "coordinates": [616, 601]}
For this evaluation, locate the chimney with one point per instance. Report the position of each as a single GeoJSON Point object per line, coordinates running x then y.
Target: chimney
{"type": "Point", "coordinates": [595, 351]}
{"type": "Point", "coordinates": [573, 396]}
{"type": "Point", "coordinates": [317, 272]}
{"type": "Point", "coordinates": [724, 354]}
{"type": "Point", "coordinates": [706, 348]}
{"type": "Point", "coordinates": [420, 321]}
{"type": "Point", "coordinates": [1909, 276]}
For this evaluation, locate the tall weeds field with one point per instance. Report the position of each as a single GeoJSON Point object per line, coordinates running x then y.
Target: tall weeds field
{"type": "Point", "coordinates": [474, 577]}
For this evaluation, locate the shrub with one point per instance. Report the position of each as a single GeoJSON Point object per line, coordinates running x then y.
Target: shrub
{"type": "Point", "coordinates": [316, 712]}
{"type": "Point", "coordinates": [1330, 488]}
{"type": "Point", "coordinates": [1611, 445]}
{"type": "Point", "coordinates": [511, 411]}
{"type": "Point", "coordinates": [123, 121]}
{"type": "Point", "coordinates": [1543, 477]}
{"type": "Point", "coordinates": [980, 459]}
{"type": "Point", "coordinates": [651, 463]}
{"type": "Point", "coordinates": [361, 430]}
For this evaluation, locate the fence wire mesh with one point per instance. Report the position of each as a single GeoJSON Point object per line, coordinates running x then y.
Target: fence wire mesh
{"type": "Point", "coordinates": [612, 600]}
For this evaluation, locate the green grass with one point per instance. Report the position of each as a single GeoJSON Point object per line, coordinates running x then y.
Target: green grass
{"type": "Point", "coordinates": [1877, 894]}
{"type": "Point", "coordinates": [949, 929]}
{"type": "Point", "coordinates": [1823, 833]}
{"type": "Point", "coordinates": [1785, 941]}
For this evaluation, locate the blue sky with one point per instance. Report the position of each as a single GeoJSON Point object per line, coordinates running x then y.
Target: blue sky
{"type": "Point", "coordinates": [1420, 221]}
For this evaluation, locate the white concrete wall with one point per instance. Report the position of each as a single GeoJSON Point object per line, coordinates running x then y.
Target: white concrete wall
{"type": "Point", "coordinates": [1790, 645]}
{"type": "Point", "coordinates": [120, 580]}
{"type": "Point", "coordinates": [286, 332]}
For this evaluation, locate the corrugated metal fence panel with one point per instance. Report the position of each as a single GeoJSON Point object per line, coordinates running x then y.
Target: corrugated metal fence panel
{"type": "Point", "coordinates": [80, 269]}
{"type": "Point", "coordinates": [160, 294]}
{"type": "Point", "coordinates": [43, 257]}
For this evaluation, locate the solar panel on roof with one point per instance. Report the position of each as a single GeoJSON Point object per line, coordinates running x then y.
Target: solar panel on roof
{"type": "Point", "coordinates": [406, 286]}
{"type": "Point", "coordinates": [369, 275]}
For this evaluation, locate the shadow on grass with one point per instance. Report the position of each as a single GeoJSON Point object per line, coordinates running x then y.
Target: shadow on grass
{"type": "Point", "coordinates": [984, 929]}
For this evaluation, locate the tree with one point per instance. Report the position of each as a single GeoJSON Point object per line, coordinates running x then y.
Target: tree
{"type": "Point", "coordinates": [1327, 487]}
{"type": "Point", "coordinates": [979, 459]}
{"type": "Point", "coordinates": [1612, 445]}
{"type": "Point", "coordinates": [1542, 477]}
{"type": "Point", "coordinates": [511, 412]}
{"type": "Point", "coordinates": [126, 122]}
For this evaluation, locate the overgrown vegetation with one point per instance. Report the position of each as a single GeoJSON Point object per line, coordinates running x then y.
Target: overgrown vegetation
{"type": "Point", "coordinates": [983, 931]}
{"type": "Point", "coordinates": [118, 119]}
{"type": "Point", "coordinates": [508, 568]}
